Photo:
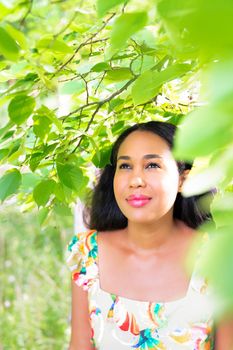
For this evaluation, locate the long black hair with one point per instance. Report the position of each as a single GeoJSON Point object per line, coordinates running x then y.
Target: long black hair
{"type": "Point", "coordinates": [104, 213]}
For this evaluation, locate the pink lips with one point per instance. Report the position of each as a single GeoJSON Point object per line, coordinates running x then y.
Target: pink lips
{"type": "Point", "coordinates": [138, 201]}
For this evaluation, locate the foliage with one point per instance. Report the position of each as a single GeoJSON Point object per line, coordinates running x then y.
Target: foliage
{"type": "Point", "coordinates": [74, 74]}
{"type": "Point", "coordinates": [35, 283]}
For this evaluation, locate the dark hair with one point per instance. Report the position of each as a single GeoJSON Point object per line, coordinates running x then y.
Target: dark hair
{"type": "Point", "coordinates": [104, 213]}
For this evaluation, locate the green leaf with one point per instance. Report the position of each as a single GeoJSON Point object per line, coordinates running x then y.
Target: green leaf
{"type": "Point", "coordinates": [118, 127]}
{"type": "Point", "coordinates": [3, 153]}
{"type": "Point", "coordinates": [35, 160]}
{"type": "Point", "coordinates": [102, 159]}
{"type": "Point", "coordinates": [15, 145]}
{"type": "Point", "coordinates": [148, 84]}
{"type": "Point", "coordinates": [9, 183]}
{"type": "Point", "coordinates": [4, 11]}
{"type": "Point", "coordinates": [125, 26]}
{"type": "Point", "coordinates": [17, 35]}
{"type": "Point", "coordinates": [43, 110]}
{"type": "Point", "coordinates": [70, 175]}
{"type": "Point", "coordinates": [104, 6]}
{"type": "Point", "coordinates": [59, 192]}
{"type": "Point", "coordinates": [100, 67]}
{"type": "Point", "coordinates": [50, 43]}
{"type": "Point", "coordinates": [41, 126]}
{"type": "Point", "coordinates": [29, 181]}
{"type": "Point", "coordinates": [118, 74]}
{"type": "Point", "coordinates": [216, 264]}
{"type": "Point", "coordinates": [222, 208]}
{"type": "Point", "coordinates": [20, 108]}
{"type": "Point", "coordinates": [8, 46]}
{"type": "Point", "coordinates": [42, 215]}
{"type": "Point", "coordinates": [43, 191]}
{"type": "Point", "coordinates": [73, 87]}
{"type": "Point", "coordinates": [95, 147]}
{"type": "Point", "coordinates": [62, 210]}
{"type": "Point", "coordinates": [204, 24]}
{"type": "Point", "coordinates": [213, 133]}
{"type": "Point", "coordinates": [115, 104]}
{"type": "Point", "coordinates": [24, 84]}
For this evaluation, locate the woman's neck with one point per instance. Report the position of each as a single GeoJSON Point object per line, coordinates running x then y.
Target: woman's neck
{"type": "Point", "coordinates": [158, 236]}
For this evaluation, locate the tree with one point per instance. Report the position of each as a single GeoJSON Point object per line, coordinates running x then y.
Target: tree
{"type": "Point", "coordinates": [75, 74]}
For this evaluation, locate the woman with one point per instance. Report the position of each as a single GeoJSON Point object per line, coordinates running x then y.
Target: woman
{"type": "Point", "coordinates": [130, 289]}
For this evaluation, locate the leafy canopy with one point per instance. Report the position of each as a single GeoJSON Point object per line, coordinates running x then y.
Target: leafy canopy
{"type": "Point", "coordinates": [73, 75]}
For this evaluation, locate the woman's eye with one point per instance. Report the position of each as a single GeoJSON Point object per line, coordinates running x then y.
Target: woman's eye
{"type": "Point", "coordinates": [124, 166]}
{"type": "Point", "coordinates": [153, 165]}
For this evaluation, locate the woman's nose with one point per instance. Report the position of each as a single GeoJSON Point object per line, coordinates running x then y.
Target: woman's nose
{"type": "Point", "coordinates": [137, 181]}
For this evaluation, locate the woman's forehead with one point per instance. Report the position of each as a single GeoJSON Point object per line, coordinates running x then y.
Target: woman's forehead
{"type": "Point", "coordinates": [143, 143]}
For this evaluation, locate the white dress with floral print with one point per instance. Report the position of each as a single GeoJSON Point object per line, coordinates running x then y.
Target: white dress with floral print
{"type": "Point", "coordinates": [119, 323]}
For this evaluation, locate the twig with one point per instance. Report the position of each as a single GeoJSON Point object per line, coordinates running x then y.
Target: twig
{"type": "Point", "coordinates": [27, 13]}
{"type": "Point", "coordinates": [101, 103]}
{"type": "Point", "coordinates": [86, 84]}
{"type": "Point", "coordinates": [88, 126]}
{"type": "Point", "coordinates": [102, 78]}
{"type": "Point", "coordinates": [88, 41]}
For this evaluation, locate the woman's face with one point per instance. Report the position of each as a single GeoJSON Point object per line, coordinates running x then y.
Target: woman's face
{"type": "Point", "coordinates": [146, 180]}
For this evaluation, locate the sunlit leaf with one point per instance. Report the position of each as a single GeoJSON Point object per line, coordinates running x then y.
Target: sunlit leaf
{"type": "Point", "coordinates": [9, 183]}
{"type": "Point", "coordinates": [8, 46]}
{"type": "Point", "coordinates": [43, 191]}
{"type": "Point", "coordinates": [20, 108]}
{"type": "Point", "coordinates": [213, 132]}
{"type": "Point", "coordinates": [62, 210]}
{"type": "Point", "coordinates": [42, 215]}
{"type": "Point", "coordinates": [3, 153]}
{"type": "Point", "coordinates": [118, 74]}
{"type": "Point", "coordinates": [222, 208]}
{"type": "Point", "coordinates": [219, 253]}
{"type": "Point", "coordinates": [125, 26]}
{"type": "Point", "coordinates": [102, 66]}
{"type": "Point", "coordinates": [29, 181]}
{"type": "Point", "coordinates": [148, 84]}
{"type": "Point", "coordinates": [70, 175]}
{"type": "Point", "coordinates": [4, 11]}
{"type": "Point", "coordinates": [103, 6]}
{"type": "Point", "coordinates": [41, 126]}
{"type": "Point", "coordinates": [17, 35]}
{"type": "Point", "coordinates": [50, 43]}
{"type": "Point", "coordinates": [35, 160]}
{"type": "Point", "coordinates": [101, 159]}
{"type": "Point", "coordinates": [73, 87]}
{"type": "Point", "coordinates": [204, 24]}
{"type": "Point", "coordinates": [48, 113]}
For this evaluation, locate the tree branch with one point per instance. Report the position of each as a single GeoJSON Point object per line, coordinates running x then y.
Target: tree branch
{"type": "Point", "coordinates": [87, 91]}
{"type": "Point", "coordinates": [99, 83]}
{"type": "Point", "coordinates": [27, 13]}
{"type": "Point", "coordinates": [101, 103]}
{"type": "Point", "coordinates": [86, 42]}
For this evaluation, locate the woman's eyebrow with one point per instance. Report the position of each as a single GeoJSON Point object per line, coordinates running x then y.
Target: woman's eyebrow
{"type": "Point", "coordinates": [146, 156]}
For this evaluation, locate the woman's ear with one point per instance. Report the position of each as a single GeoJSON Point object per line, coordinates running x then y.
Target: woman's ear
{"type": "Point", "coordinates": [183, 177]}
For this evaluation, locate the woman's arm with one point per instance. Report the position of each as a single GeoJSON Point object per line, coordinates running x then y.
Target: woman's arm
{"type": "Point", "coordinates": [224, 335]}
{"type": "Point", "coordinates": [80, 323]}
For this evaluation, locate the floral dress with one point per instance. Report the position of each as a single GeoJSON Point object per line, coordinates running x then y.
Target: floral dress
{"type": "Point", "coordinates": [120, 323]}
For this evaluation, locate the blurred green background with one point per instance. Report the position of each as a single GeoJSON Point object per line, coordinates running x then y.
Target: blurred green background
{"type": "Point", "coordinates": [34, 281]}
